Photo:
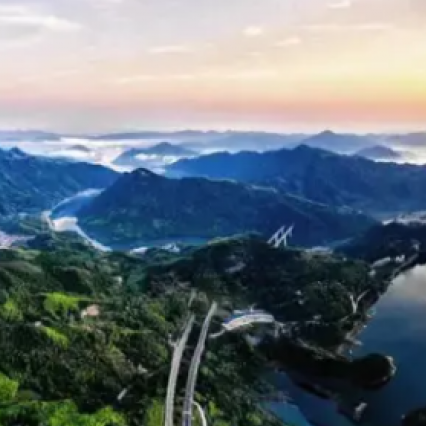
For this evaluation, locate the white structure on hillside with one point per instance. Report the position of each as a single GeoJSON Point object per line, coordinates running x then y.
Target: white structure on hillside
{"type": "Point", "coordinates": [245, 318]}
{"type": "Point", "coordinates": [281, 236]}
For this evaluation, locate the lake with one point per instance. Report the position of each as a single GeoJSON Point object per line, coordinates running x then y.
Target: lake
{"type": "Point", "coordinates": [399, 329]}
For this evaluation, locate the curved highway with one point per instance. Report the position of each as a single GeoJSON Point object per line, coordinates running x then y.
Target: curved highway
{"type": "Point", "coordinates": [174, 371]}
{"type": "Point", "coordinates": [193, 370]}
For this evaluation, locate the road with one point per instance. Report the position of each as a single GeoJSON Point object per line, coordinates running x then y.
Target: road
{"type": "Point", "coordinates": [174, 371]}
{"type": "Point", "coordinates": [193, 369]}
{"type": "Point", "coordinates": [201, 412]}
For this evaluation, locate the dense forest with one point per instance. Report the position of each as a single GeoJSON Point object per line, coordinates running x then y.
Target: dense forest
{"type": "Point", "coordinates": [142, 206]}
{"type": "Point", "coordinates": [29, 183]}
{"type": "Point", "coordinates": [319, 175]}
{"type": "Point", "coordinates": [78, 327]}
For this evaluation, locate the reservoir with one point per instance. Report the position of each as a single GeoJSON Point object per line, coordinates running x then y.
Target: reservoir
{"type": "Point", "coordinates": [399, 330]}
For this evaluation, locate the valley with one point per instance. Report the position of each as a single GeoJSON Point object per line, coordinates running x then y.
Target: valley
{"type": "Point", "coordinates": [212, 213]}
{"type": "Point", "coordinates": [179, 247]}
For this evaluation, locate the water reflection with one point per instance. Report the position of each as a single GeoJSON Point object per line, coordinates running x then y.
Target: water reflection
{"type": "Point", "coordinates": [399, 330]}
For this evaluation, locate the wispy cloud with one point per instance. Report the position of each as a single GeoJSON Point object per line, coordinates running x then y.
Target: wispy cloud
{"type": "Point", "coordinates": [154, 77]}
{"type": "Point", "coordinates": [289, 41]}
{"type": "Point", "coordinates": [15, 15]}
{"type": "Point", "coordinates": [51, 23]}
{"type": "Point", "coordinates": [253, 74]}
{"type": "Point", "coordinates": [253, 31]}
{"type": "Point", "coordinates": [368, 26]}
{"type": "Point", "coordinates": [178, 48]}
{"type": "Point", "coordinates": [340, 4]}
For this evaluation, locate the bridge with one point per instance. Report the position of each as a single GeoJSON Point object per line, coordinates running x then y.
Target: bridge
{"type": "Point", "coordinates": [238, 320]}
{"type": "Point", "coordinates": [174, 371]}
{"type": "Point", "coordinates": [281, 237]}
{"type": "Point", "coordinates": [248, 317]}
{"type": "Point", "coordinates": [193, 369]}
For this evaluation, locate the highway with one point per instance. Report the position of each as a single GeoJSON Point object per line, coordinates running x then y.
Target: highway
{"type": "Point", "coordinates": [201, 412]}
{"type": "Point", "coordinates": [174, 371]}
{"type": "Point", "coordinates": [193, 369]}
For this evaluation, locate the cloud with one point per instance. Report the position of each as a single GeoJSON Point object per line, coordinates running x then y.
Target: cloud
{"type": "Point", "coordinates": [340, 4]}
{"type": "Point", "coordinates": [51, 23]}
{"type": "Point", "coordinates": [20, 16]}
{"type": "Point", "coordinates": [161, 50]}
{"type": "Point", "coordinates": [258, 74]}
{"type": "Point", "coordinates": [253, 31]}
{"type": "Point", "coordinates": [155, 77]}
{"type": "Point", "coordinates": [254, 74]}
{"type": "Point", "coordinates": [289, 41]}
{"type": "Point", "coordinates": [368, 26]}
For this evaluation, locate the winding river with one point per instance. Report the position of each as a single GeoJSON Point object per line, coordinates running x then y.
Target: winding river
{"type": "Point", "coordinates": [62, 218]}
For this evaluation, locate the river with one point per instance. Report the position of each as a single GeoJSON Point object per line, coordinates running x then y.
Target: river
{"type": "Point", "coordinates": [62, 218]}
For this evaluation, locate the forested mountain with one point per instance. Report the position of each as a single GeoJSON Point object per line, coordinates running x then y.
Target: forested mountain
{"type": "Point", "coordinates": [78, 327]}
{"type": "Point", "coordinates": [321, 176]}
{"type": "Point", "coordinates": [29, 183]}
{"type": "Point", "coordinates": [390, 240]}
{"type": "Point", "coordinates": [144, 206]}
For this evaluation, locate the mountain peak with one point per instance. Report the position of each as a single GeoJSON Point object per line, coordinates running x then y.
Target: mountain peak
{"type": "Point", "coordinates": [17, 153]}
{"type": "Point", "coordinates": [145, 173]}
{"type": "Point", "coordinates": [327, 133]}
{"type": "Point", "coordinates": [338, 143]}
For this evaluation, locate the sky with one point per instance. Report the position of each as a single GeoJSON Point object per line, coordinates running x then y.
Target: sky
{"type": "Point", "coordinates": [288, 65]}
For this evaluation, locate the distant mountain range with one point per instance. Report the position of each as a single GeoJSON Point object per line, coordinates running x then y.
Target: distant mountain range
{"type": "Point", "coordinates": [144, 206]}
{"type": "Point", "coordinates": [322, 176]}
{"type": "Point", "coordinates": [27, 135]}
{"type": "Point", "coordinates": [158, 154]}
{"type": "Point", "coordinates": [30, 184]}
{"type": "Point", "coordinates": [339, 143]}
{"type": "Point", "coordinates": [257, 141]}
{"type": "Point", "coordinates": [379, 152]}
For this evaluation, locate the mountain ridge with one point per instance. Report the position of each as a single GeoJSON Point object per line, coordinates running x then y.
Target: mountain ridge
{"type": "Point", "coordinates": [339, 180]}
{"type": "Point", "coordinates": [31, 184]}
{"type": "Point", "coordinates": [379, 152]}
{"type": "Point", "coordinates": [336, 142]}
{"type": "Point", "coordinates": [144, 205]}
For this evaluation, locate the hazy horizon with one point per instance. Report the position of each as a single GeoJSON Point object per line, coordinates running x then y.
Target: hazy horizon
{"type": "Point", "coordinates": [289, 132]}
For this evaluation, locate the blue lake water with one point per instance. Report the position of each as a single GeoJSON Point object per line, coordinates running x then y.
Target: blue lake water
{"type": "Point", "coordinates": [399, 330]}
